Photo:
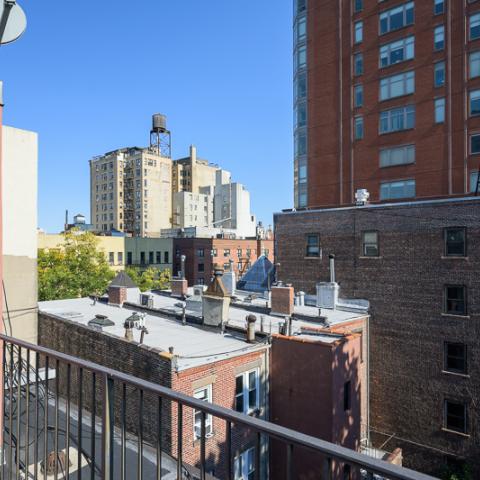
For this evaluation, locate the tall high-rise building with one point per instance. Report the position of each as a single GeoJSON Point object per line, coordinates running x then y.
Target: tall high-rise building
{"type": "Point", "coordinates": [387, 98]}
{"type": "Point", "coordinates": [130, 191]}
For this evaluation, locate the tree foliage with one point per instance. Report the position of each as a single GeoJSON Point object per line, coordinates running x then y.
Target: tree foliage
{"type": "Point", "coordinates": [151, 278]}
{"type": "Point", "coordinates": [75, 269]}
{"type": "Point", "coordinates": [462, 472]}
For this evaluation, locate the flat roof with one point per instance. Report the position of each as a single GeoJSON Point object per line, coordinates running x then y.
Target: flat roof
{"type": "Point", "coordinates": [419, 203]}
{"type": "Point", "coordinates": [194, 345]}
{"type": "Point", "coordinates": [271, 323]}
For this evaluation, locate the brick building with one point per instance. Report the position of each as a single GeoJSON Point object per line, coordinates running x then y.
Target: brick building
{"type": "Point", "coordinates": [202, 362]}
{"type": "Point", "coordinates": [416, 263]}
{"type": "Point", "coordinates": [387, 98]}
{"type": "Point", "coordinates": [202, 253]}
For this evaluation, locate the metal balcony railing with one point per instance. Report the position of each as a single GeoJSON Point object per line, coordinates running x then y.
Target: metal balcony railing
{"type": "Point", "coordinates": [65, 417]}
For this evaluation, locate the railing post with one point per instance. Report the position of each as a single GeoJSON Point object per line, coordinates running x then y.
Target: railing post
{"type": "Point", "coordinates": [107, 427]}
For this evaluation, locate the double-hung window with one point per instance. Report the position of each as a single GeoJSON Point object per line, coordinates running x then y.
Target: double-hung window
{"type": "Point", "coordinates": [455, 416]}
{"type": "Point", "coordinates": [396, 52]}
{"type": "Point", "coordinates": [439, 37]}
{"type": "Point", "coordinates": [439, 74]}
{"type": "Point", "coordinates": [455, 299]}
{"type": "Point", "coordinates": [313, 245]}
{"type": "Point", "coordinates": [474, 26]}
{"type": "Point", "coordinates": [358, 64]}
{"type": "Point", "coordinates": [474, 64]}
{"type": "Point", "coordinates": [440, 110]}
{"type": "Point", "coordinates": [247, 391]}
{"type": "Point", "coordinates": [397, 119]}
{"type": "Point", "coordinates": [244, 465]}
{"type": "Point", "coordinates": [455, 357]}
{"type": "Point", "coordinates": [370, 244]}
{"type": "Point", "coordinates": [396, 18]}
{"type": "Point", "coordinates": [358, 95]}
{"type": "Point", "coordinates": [397, 85]}
{"type": "Point", "coordinates": [402, 155]}
{"type": "Point", "coordinates": [474, 102]}
{"type": "Point", "coordinates": [359, 127]}
{"type": "Point", "coordinates": [455, 242]}
{"type": "Point", "coordinates": [205, 394]}
{"type": "Point", "coordinates": [358, 27]}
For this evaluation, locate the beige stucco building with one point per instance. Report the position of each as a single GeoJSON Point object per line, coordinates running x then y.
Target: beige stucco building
{"type": "Point", "coordinates": [149, 252]}
{"type": "Point", "coordinates": [113, 247]}
{"type": "Point", "coordinates": [130, 191]}
{"type": "Point", "coordinates": [19, 184]}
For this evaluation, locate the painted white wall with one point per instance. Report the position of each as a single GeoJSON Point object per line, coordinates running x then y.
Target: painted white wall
{"type": "Point", "coordinates": [19, 183]}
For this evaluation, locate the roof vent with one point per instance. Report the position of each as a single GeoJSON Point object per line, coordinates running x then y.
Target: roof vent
{"type": "Point", "coordinates": [362, 195]}
{"type": "Point", "coordinates": [100, 321]}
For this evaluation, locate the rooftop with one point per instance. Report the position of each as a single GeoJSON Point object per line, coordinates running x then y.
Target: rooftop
{"type": "Point", "coordinates": [194, 345]}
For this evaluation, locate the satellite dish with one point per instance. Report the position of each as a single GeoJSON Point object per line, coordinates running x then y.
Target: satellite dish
{"type": "Point", "coordinates": [13, 21]}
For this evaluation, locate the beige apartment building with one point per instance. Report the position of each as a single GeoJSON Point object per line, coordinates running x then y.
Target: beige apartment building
{"type": "Point", "coordinates": [130, 191]}
{"type": "Point", "coordinates": [112, 247]}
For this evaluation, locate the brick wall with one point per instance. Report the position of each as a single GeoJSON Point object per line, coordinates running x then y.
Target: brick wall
{"type": "Point", "coordinates": [405, 286]}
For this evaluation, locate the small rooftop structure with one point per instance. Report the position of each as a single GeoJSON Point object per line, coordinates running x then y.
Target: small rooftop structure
{"type": "Point", "coordinates": [122, 280]}
{"type": "Point", "coordinates": [259, 277]}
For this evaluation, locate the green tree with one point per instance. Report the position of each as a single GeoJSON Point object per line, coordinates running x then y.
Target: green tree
{"type": "Point", "coordinates": [462, 472]}
{"type": "Point", "coordinates": [150, 279]}
{"type": "Point", "coordinates": [75, 269]}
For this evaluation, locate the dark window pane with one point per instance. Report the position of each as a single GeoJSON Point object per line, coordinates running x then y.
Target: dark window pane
{"type": "Point", "coordinates": [455, 357]}
{"type": "Point", "coordinates": [239, 403]}
{"type": "Point", "coordinates": [239, 385]}
{"type": "Point", "coordinates": [455, 242]}
{"type": "Point", "coordinates": [475, 144]}
{"type": "Point", "coordinates": [455, 416]}
{"type": "Point", "coordinates": [455, 300]}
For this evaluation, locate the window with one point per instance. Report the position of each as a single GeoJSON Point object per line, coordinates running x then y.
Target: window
{"type": "Point", "coordinates": [397, 156]}
{"type": "Point", "coordinates": [301, 29]}
{"type": "Point", "coordinates": [357, 5]}
{"type": "Point", "coordinates": [358, 95]}
{"type": "Point", "coordinates": [397, 85]}
{"type": "Point", "coordinates": [474, 26]}
{"type": "Point", "coordinates": [475, 144]}
{"type": "Point", "coordinates": [396, 18]}
{"type": "Point", "coordinates": [120, 258]}
{"type": "Point", "coordinates": [370, 244]}
{"type": "Point", "coordinates": [244, 465]}
{"type": "Point", "coordinates": [247, 392]}
{"type": "Point", "coordinates": [358, 64]}
{"type": "Point", "coordinates": [150, 257]}
{"type": "Point", "coordinates": [455, 416]}
{"type": "Point", "coordinates": [397, 119]}
{"type": "Point", "coordinates": [201, 267]}
{"type": "Point", "coordinates": [214, 252]}
{"type": "Point", "coordinates": [455, 300]}
{"type": "Point", "coordinates": [204, 394]}
{"type": "Point", "coordinates": [438, 7]}
{"type": "Point", "coordinates": [439, 110]}
{"type": "Point", "coordinates": [301, 55]}
{"type": "Point", "coordinates": [313, 246]}
{"type": "Point", "coordinates": [301, 5]}
{"type": "Point", "coordinates": [439, 74]}
{"type": "Point", "coordinates": [226, 252]}
{"type": "Point", "coordinates": [474, 102]}
{"type": "Point", "coordinates": [474, 64]}
{"type": "Point", "coordinates": [359, 131]}
{"type": "Point", "coordinates": [455, 242]}
{"type": "Point", "coordinates": [142, 258]}
{"type": "Point", "coordinates": [347, 396]}
{"type": "Point", "coordinates": [129, 258]}
{"type": "Point", "coordinates": [165, 257]}
{"type": "Point", "coordinates": [473, 181]}
{"type": "Point", "coordinates": [358, 32]}
{"type": "Point", "coordinates": [397, 52]}
{"type": "Point", "coordinates": [397, 190]}
{"type": "Point", "coordinates": [455, 357]}
{"type": "Point", "coordinates": [200, 252]}
{"type": "Point", "coordinates": [439, 38]}
{"type": "Point", "coordinates": [111, 258]}
{"type": "Point", "coordinates": [158, 258]}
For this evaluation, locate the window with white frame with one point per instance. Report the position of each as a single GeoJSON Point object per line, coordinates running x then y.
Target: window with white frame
{"type": "Point", "coordinates": [402, 155]}
{"type": "Point", "coordinates": [396, 52]}
{"type": "Point", "coordinates": [396, 18]}
{"type": "Point", "coordinates": [247, 394]}
{"type": "Point", "coordinates": [397, 119]}
{"type": "Point", "coordinates": [397, 85]}
{"type": "Point", "coordinates": [439, 37]}
{"type": "Point", "coordinates": [204, 394]}
{"type": "Point", "coordinates": [474, 64]}
{"type": "Point", "coordinates": [397, 190]}
{"type": "Point", "coordinates": [440, 110]}
{"type": "Point", "coordinates": [244, 465]}
{"type": "Point", "coordinates": [474, 26]}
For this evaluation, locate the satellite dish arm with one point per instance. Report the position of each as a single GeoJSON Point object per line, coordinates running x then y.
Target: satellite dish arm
{"type": "Point", "coordinates": [8, 5]}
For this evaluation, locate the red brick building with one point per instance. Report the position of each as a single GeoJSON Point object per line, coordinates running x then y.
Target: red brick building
{"type": "Point", "coordinates": [202, 253]}
{"type": "Point", "coordinates": [387, 98]}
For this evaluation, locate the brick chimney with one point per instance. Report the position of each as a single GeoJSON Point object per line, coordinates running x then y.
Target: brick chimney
{"type": "Point", "coordinates": [117, 295]}
{"type": "Point", "coordinates": [282, 300]}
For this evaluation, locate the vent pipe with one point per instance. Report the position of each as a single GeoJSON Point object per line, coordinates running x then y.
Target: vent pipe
{"type": "Point", "coordinates": [332, 268]}
{"type": "Point", "coordinates": [251, 319]}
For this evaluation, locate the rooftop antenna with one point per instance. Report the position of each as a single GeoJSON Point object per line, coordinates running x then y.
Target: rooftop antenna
{"type": "Point", "coordinates": [160, 136]}
{"type": "Point", "coordinates": [13, 21]}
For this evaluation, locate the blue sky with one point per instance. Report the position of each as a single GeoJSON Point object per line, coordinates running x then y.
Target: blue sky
{"type": "Point", "coordinates": [87, 75]}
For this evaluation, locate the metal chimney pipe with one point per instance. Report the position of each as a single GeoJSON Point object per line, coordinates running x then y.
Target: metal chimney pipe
{"type": "Point", "coordinates": [251, 319]}
{"type": "Point", "coordinates": [332, 268]}
{"type": "Point", "coordinates": [183, 258]}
